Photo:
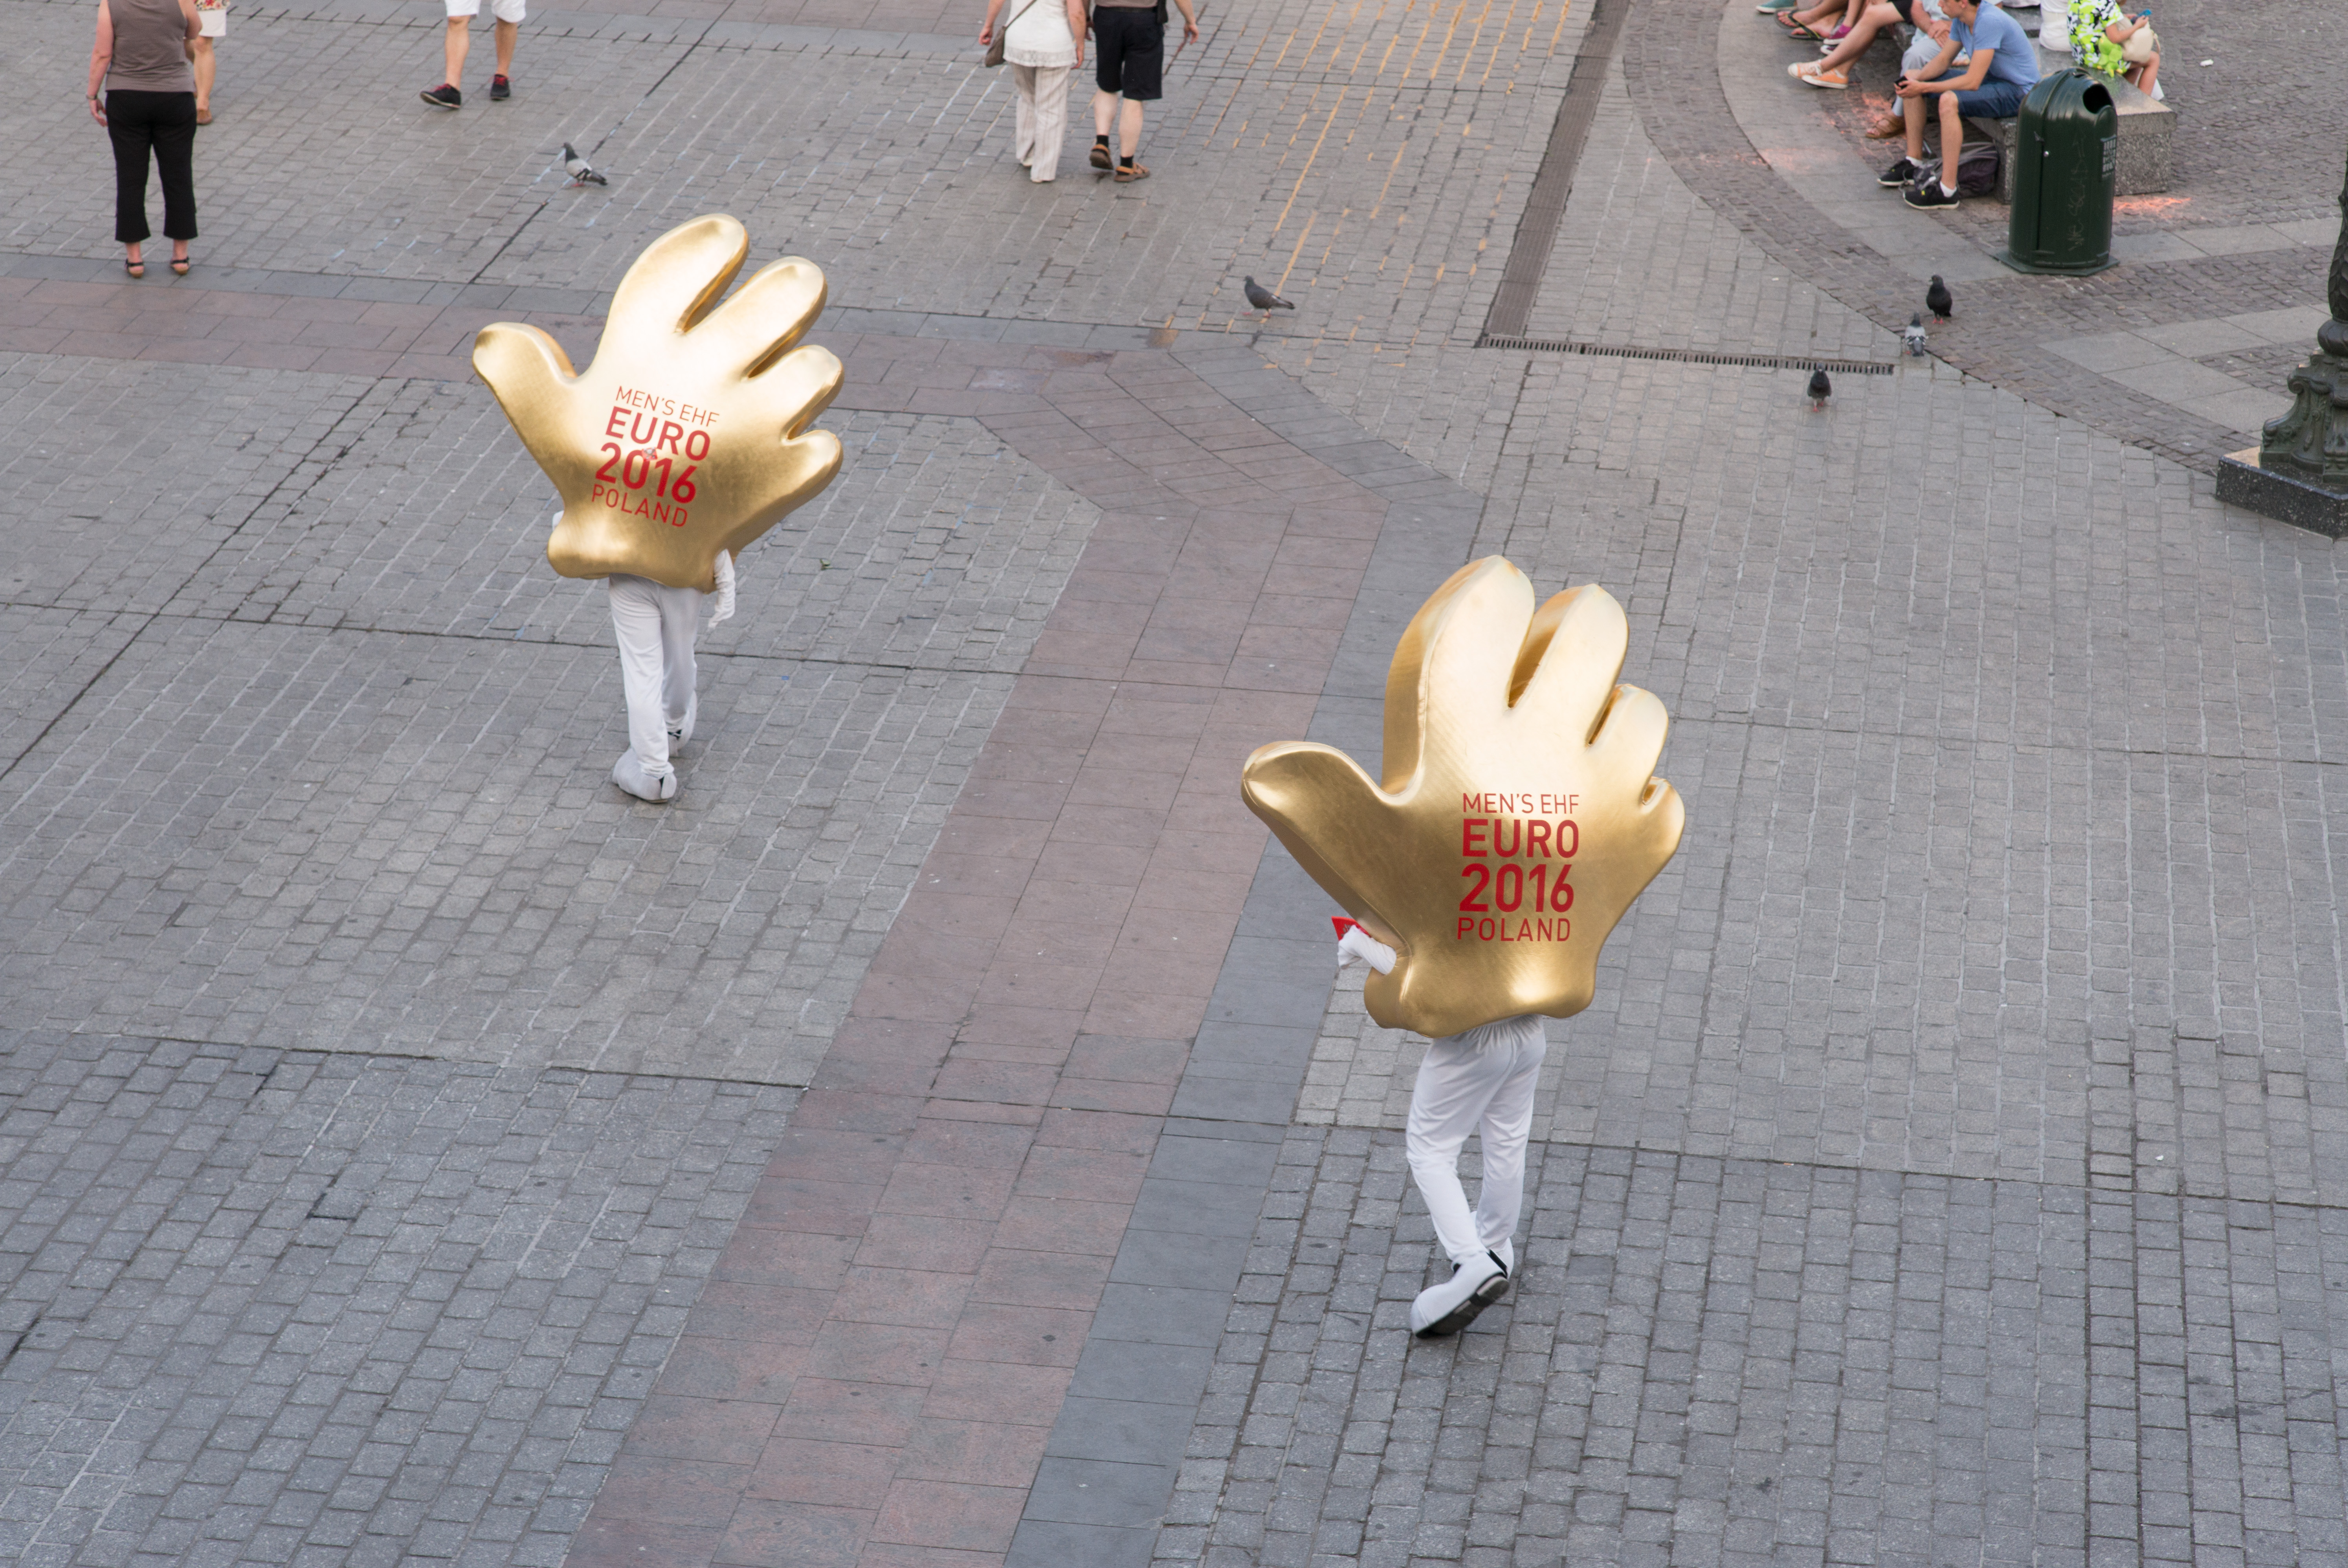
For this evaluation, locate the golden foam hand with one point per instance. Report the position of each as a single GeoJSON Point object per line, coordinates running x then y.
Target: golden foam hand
{"type": "Point", "coordinates": [1519, 815]}
{"type": "Point", "coordinates": [689, 432]}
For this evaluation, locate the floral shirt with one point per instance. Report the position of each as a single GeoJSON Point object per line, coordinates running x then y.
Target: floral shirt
{"type": "Point", "coordinates": [2091, 42]}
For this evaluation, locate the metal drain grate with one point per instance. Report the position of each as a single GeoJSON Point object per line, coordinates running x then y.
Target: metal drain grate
{"type": "Point", "coordinates": [1687, 355]}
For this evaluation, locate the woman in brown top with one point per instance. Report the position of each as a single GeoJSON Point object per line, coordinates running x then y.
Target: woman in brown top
{"type": "Point", "coordinates": [141, 59]}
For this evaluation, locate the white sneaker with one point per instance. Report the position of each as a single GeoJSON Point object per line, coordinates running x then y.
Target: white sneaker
{"type": "Point", "coordinates": [1448, 1307]}
{"type": "Point", "coordinates": [681, 730]}
{"type": "Point", "coordinates": [629, 775]}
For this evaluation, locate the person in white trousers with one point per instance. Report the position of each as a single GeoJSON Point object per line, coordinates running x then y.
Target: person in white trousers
{"type": "Point", "coordinates": [1043, 44]}
{"type": "Point", "coordinates": [1480, 1082]}
{"type": "Point", "coordinates": [656, 626]}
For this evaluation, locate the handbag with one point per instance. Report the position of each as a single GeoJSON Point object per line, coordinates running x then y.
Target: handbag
{"type": "Point", "coordinates": [1003, 34]}
{"type": "Point", "coordinates": [2140, 47]}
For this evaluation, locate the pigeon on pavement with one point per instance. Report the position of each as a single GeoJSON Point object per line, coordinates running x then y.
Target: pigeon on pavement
{"type": "Point", "coordinates": [1912, 338]}
{"type": "Point", "coordinates": [1264, 300]}
{"type": "Point", "coordinates": [1820, 389]}
{"type": "Point", "coordinates": [1938, 300]}
{"type": "Point", "coordinates": [582, 172]}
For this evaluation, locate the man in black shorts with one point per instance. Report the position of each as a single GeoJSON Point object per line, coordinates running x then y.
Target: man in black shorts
{"type": "Point", "coordinates": [1128, 55]}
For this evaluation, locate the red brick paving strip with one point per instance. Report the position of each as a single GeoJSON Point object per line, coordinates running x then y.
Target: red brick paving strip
{"type": "Point", "coordinates": [879, 1357]}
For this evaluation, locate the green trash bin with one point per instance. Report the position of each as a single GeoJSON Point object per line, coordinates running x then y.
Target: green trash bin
{"type": "Point", "coordinates": [2066, 160]}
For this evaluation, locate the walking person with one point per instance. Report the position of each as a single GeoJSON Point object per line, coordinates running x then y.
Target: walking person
{"type": "Point", "coordinates": [1043, 43]}
{"type": "Point", "coordinates": [1129, 58]}
{"type": "Point", "coordinates": [508, 15]}
{"type": "Point", "coordinates": [214, 15]}
{"type": "Point", "coordinates": [1479, 1082]}
{"type": "Point", "coordinates": [140, 59]}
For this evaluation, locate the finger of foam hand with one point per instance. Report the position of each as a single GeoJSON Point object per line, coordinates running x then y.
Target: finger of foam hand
{"type": "Point", "coordinates": [1572, 654]}
{"type": "Point", "coordinates": [675, 282]}
{"type": "Point", "coordinates": [1629, 738]}
{"type": "Point", "coordinates": [785, 481]}
{"type": "Point", "coordinates": [772, 310]}
{"type": "Point", "coordinates": [1451, 667]}
{"type": "Point", "coordinates": [794, 389]}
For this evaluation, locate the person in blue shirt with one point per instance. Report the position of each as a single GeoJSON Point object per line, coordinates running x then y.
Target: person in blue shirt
{"type": "Point", "coordinates": [2000, 67]}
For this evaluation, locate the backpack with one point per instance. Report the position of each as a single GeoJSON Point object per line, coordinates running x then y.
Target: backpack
{"type": "Point", "coordinates": [1977, 168]}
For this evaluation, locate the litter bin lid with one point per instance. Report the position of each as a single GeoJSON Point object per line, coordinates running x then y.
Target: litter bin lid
{"type": "Point", "coordinates": [2067, 95]}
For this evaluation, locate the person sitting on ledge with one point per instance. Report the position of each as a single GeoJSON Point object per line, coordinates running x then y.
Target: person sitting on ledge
{"type": "Point", "coordinates": [2002, 68]}
{"type": "Point", "coordinates": [1810, 22]}
{"type": "Point", "coordinates": [1931, 32]}
{"type": "Point", "coordinates": [2108, 40]}
{"type": "Point", "coordinates": [1834, 71]}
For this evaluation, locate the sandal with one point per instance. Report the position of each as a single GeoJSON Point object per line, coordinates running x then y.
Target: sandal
{"type": "Point", "coordinates": [136, 268]}
{"type": "Point", "coordinates": [1801, 29]}
{"type": "Point", "coordinates": [180, 265]}
{"type": "Point", "coordinates": [1128, 172]}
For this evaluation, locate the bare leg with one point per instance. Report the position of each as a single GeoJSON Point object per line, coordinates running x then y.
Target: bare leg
{"type": "Point", "coordinates": [1913, 109]}
{"type": "Point", "coordinates": [1128, 130]}
{"type": "Point", "coordinates": [1871, 21]}
{"type": "Point", "coordinates": [505, 34]}
{"type": "Point", "coordinates": [1952, 140]}
{"type": "Point", "coordinates": [2145, 74]}
{"type": "Point", "coordinates": [199, 56]}
{"type": "Point", "coordinates": [1104, 111]}
{"type": "Point", "coordinates": [461, 38]}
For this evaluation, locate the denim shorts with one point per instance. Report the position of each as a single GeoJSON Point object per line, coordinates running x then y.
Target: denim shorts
{"type": "Point", "coordinates": [1994, 99]}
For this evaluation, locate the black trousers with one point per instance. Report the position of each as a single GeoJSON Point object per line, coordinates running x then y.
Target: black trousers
{"type": "Point", "coordinates": [166, 123]}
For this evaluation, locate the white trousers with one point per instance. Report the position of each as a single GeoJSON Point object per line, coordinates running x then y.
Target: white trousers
{"type": "Point", "coordinates": [1042, 121]}
{"type": "Point", "coordinates": [1463, 1089]}
{"type": "Point", "coordinates": [654, 624]}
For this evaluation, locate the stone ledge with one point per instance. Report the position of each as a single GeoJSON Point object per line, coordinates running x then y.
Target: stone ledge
{"type": "Point", "coordinates": [2242, 482]}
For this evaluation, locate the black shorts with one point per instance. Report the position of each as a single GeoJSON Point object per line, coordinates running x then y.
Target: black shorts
{"type": "Point", "coordinates": [1129, 51]}
{"type": "Point", "coordinates": [1907, 9]}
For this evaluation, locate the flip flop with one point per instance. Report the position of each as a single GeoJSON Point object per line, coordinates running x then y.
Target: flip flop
{"type": "Point", "coordinates": [1803, 30]}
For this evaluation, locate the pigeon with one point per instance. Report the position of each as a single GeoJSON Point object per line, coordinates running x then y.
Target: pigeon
{"type": "Point", "coordinates": [1264, 300]}
{"type": "Point", "coordinates": [582, 172]}
{"type": "Point", "coordinates": [1820, 389]}
{"type": "Point", "coordinates": [1913, 337]}
{"type": "Point", "coordinates": [1938, 300]}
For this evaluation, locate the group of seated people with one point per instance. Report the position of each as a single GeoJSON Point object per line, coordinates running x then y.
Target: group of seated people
{"type": "Point", "coordinates": [1966, 57]}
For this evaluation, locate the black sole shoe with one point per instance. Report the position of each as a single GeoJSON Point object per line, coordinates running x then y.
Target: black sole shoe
{"type": "Point", "coordinates": [1459, 1316]}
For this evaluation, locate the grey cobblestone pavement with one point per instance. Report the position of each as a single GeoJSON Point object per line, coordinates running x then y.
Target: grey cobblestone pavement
{"type": "Point", "coordinates": [1950, 1173]}
{"type": "Point", "coordinates": [294, 1307]}
{"type": "Point", "coordinates": [1738, 1361]}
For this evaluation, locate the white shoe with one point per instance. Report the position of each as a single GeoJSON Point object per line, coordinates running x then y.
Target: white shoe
{"type": "Point", "coordinates": [1448, 1307]}
{"type": "Point", "coordinates": [681, 730]}
{"type": "Point", "coordinates": [1507, 1253]}
{"type": "Point", "coordinates": [629, 775]}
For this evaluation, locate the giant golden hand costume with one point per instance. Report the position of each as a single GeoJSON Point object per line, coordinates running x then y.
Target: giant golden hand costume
{"type": "Point", "coordinates": [688, 435]}
{"type": "Point", "coordinates": [1519, 815]}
